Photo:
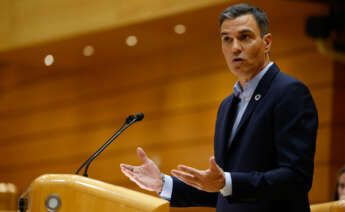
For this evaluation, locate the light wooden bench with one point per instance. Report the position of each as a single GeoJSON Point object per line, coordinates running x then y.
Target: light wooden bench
{"type": "Point", "coordinates": [335, 206]}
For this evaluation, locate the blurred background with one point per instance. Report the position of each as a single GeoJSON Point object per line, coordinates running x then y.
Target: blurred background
{"type": "Point", "coordinates": [72, 71]}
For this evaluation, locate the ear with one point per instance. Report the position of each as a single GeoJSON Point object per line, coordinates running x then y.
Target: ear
{"type": "Point", "coordinates": [267, 39]}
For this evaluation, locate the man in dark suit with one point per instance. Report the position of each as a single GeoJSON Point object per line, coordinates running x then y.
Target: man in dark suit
{"type": "Point", "coordinates": [265, 133]}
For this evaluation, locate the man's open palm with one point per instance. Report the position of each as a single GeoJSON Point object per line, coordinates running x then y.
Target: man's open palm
{"type": "Point", "coordinates": [210, 180]}
{"type": "Point", "coordinates": [147, 176]}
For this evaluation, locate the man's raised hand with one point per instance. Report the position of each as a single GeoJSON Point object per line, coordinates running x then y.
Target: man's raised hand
{"type": "Point", "coordinates": [147, 176]}
{"type": "Point", "coordinates": [210, 180]}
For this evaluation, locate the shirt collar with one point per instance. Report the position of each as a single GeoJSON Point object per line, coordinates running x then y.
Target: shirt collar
{"type": "Point", "coordinates": [250, 86]}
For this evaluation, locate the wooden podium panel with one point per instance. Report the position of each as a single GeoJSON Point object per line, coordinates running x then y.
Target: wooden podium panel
{"type": "Point", "coordinates": [70, 193]}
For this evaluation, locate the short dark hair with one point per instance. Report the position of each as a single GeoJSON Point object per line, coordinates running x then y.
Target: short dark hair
{"type": "Point", "coordinates": [244, 9]}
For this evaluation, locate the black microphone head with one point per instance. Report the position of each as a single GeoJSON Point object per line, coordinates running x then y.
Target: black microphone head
{"type": "Point", "coordinates": [139, 116]}
{"type": "Point", "coordinates": [130, 118]}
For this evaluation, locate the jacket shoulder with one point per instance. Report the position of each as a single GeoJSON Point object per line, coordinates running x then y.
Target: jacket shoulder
{"type": "Point", "coordinates": [284, 82]}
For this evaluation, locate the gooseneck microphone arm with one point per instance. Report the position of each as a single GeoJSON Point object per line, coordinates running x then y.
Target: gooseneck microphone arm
{"type": "Point", "coordinates": [129, 121]}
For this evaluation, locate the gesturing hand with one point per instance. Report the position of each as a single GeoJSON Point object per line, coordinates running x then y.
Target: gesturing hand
{"type": "Point", "coordinates": [210, 180]}
{"type": "Point", "coordinates": [147, 176]}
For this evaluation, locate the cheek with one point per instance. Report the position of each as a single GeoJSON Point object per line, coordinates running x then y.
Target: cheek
{"type": "Point", "coordinates": [255, 53]}
{"type": "Point", "coordinates": [255, 50]}
{"type": "Point", "coordinates": [226, 54]}
{"type": "Point", "coordinates": [225, 50]}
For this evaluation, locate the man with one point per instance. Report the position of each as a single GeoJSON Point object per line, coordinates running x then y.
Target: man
{"type": "Point", "coordinates": [265, 133]}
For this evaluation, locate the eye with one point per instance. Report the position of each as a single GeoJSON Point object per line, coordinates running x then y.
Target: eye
{"type": "Point", "coordinates": [342, 186]}
{"type": "Point", "coordinates": [245, 37]}
{"type": "Point", "coordinates": [226, 38]}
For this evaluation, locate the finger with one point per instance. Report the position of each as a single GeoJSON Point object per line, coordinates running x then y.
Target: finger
{"type": "Point", "coordinates": [193, 184]}
{"type": "Point", "coordinates": [127, 172]}
{"type": "Point", "coordinates": [134, 178]}
{"type": "Point", "coordinates": [186, 179]}
{"type": "Point", "coordinates": [184, 175]}
{"type": "Point", "coordinates": [213, 164]}
{"type": "Point", "coordinates": [141, 154]}
{"type": "Point", "coordinates": [189, 170]}
{"type": "Point", "coordinates": [131, 175]}
{"type": "Point", "coordinates": [127, 166]}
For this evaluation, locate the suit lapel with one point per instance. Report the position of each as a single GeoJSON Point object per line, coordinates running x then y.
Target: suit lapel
{"type": "Point", "coordinates": [225, 128]}
{"type": "Point", "coordinates": [258, 95]}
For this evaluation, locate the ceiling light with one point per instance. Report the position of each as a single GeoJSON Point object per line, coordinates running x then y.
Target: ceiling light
{"type": "Point", "coordinates": [88, 50]}
{"type": "Point", "coordinates": [180, 29]}
{"type": "Point", "coordinates": [49, 60]}
{"type": "Point", "coordinates": [131, 40]}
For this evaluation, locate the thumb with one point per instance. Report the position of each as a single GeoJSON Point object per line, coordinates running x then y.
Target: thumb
{"type": "Point", "coordinates": [213, 164]}
{"type": "Point", "coordinates": [141, 154]}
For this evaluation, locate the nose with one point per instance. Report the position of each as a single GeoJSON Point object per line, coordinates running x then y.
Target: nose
{"type": "Point", "coordinates": [236, 47]}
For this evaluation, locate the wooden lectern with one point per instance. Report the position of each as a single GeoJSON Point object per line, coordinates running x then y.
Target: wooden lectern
{"type": "Point", "coordinates": [74, 193]}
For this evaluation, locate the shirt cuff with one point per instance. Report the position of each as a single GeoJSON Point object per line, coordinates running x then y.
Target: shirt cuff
{"type": "Point", "coordinates": [227, 189]}
{"type": "Point", "coordinates": [167, 187]}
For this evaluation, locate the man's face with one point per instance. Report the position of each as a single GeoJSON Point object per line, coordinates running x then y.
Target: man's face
{"type": "Point", "coordinates": [244, 50]}
{"type": "Point", "coordinates": [341, 187]}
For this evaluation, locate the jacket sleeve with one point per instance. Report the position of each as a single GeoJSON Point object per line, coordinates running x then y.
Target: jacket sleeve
{"type": "Point", "coordinates": [184, 195]}
{"type": "Point", "coordinates": [295, 125]}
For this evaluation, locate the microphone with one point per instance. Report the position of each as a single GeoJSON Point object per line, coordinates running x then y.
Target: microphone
{"type": "Point", "coordinates": [139, 116]}
{"type": "Point", "coordinates": [131, 119]}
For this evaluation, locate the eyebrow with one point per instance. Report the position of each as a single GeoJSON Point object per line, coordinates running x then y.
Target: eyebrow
{"type": "Point", "coordinates": [241, 32]}
{"type": "Point", "coordinates": [246, 31]}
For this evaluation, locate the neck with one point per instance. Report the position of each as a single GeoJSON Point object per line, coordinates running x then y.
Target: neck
{"type": "Point", "coordinates": [244, 79]}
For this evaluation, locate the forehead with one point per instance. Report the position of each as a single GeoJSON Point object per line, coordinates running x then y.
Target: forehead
{"type": "Point", "coordinates": [241, 23]}
{"type": "Point", "coordinates": [342, 178]}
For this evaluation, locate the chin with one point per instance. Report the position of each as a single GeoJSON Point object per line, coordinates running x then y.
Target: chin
{"type": "Point", "coordinates": [237, 71]}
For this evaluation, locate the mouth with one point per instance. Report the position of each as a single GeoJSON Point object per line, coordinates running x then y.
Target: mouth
{"type": "Point", "coordinates": [237, 60]}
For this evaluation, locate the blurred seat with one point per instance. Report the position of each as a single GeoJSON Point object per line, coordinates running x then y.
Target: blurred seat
{"type": "Point", "coordinates": [335, 206]}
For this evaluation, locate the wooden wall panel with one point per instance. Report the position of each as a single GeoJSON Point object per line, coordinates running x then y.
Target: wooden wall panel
{"type": "Point", "coordinates": [321, 186]}
{"type": "Point", "coordinates": [54, 118]}
{"type": "Point", "coordinates": [299, 65]}
{"type": "Point", "coordinates": [152, 132]}
{"type": "Point", "coordinates": [156, 94]}
{"type": "Point", "coordinates": [198, 112]}
{"type": "Point", "coordinates": [337, 157]}
{"type": "Point", "coordinates": [323, 152]}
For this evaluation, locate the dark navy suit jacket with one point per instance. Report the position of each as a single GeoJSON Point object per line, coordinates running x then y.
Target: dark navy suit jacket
{"type": "Point", "coordinates": [271, 158]}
